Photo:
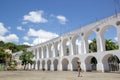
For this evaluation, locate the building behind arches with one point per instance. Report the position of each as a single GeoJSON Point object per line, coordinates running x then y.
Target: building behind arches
{"type": "Point", "coordinates": [54, 55]}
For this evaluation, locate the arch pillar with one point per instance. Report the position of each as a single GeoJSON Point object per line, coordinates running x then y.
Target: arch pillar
{"type": "Point", "coordinates": [84, 45]}
{"type": "Point", "coordinates": [100, 67]}
{"type": "Point", "coordinates": [42, 52]}
{"type": "Point", "coordinates": [38, 53]}
{"type": "Point", "coordinates": [70, 66]}
{"type": "Point", "coordinates": [59, 65]}
{"type": "Point", "coordinates": [52, 66]}
{"type": "Point", "coordinates": [83, 66]}
{"type": "Point", "coordinates": [54, 50]}
{"type": "Point", "coordinates": [61, 49]}
{"type": "Point", "coordinates": [118, 35]}
{"type": "Point", "coordinates": [47, 55]}
{"type": "Point", "coordinates": [71, 47]}
{"type": "Point", "coordinates": [100, 42]}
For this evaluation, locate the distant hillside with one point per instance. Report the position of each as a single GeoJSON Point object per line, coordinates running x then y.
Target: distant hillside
{"type": "Point", "coordinates": [12, 46]}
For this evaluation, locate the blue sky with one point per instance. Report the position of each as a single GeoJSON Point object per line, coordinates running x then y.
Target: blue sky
{"type": "Point", "coordinates": [35, 21]}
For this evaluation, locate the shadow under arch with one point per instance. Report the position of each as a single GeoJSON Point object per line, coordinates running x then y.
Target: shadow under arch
{"type": "Point", "coordinates": [76, 41]}
{"type": "Point", "coordinates": [111, 62]}
{"type": "Point", "coordinates": [38, 62]}
{"type": "Point", "coordinates": [91, 63]}
{"type": "Point", "coordinates": [55, 62]}
{"type": "Point", "coordinates": [43, 65]}
{"type": "Point", "coordinates": [65, 46]}
{"type": "Point", "coordinates": [48, 65]}
{"type": "Point", "coordinates": [65, 63]}
{"type": "Point", "coordinates": [74, 63]}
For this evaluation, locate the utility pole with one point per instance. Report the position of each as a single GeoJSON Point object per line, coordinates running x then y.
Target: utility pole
{"type": "Point", "coordinates": [116, 5]}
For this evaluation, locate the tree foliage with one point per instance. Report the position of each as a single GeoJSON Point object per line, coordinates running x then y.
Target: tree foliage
{"type": "Point", "coordinates": [4, 56]}
{"type": "Point", "coordinates": [93, 46]}
{"type": "Point", "coordinates": [12, 46]}
{"type": "Point", "coordinates": [109, 45]}
{"type": "Point", "coordinates": [26, 58]}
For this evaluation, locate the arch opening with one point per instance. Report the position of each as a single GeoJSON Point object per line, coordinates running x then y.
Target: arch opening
{"type": "Point", "coordinates": [56, 49]}
{"type": "Point", "coordinates": [110, 38]}
{"type": "Point", "coordinates": [91, 63]}
{"type": "Point", "coordinates": [92, 43]}
{"type": "Point", "coordinates": [65, 64]}
{"type": "Point", "coordinates": [55, 62]}
{"type": "Point", "coordinates": [111, 63]}
{"type": "Point", "coordinates": [38, 65]}
{"type": "Point", "coordinates": [48, 65]}
{"type": "Point", "coordinates": [43, 65]}
{"type": "Point", "coordinates": [74, 63]}
{"type": "Point", "coordinates": [76, 41]}
{"type": "Point", "coordinates": [66, 47]}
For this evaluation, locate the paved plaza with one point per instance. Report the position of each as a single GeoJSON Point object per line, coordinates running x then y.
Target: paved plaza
{"type": "Point", "coordinates": [56, 75]}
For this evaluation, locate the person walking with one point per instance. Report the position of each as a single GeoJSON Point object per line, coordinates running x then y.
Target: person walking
{"type": "Point", "coordinates": [79, 68]}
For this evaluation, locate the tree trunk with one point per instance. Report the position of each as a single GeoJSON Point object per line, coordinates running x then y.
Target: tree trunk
{"type": "Point", "coordinates": [25, 67]}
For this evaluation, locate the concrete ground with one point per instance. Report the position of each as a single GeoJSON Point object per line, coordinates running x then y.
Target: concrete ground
{"type": "Point", "coordinates": [56, 75]}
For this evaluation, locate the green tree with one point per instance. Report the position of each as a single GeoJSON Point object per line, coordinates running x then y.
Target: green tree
{"type": "Point", "coordinates": [5, 57]}
{"type": "Point", "coordinates": [12, 46]}
{"type": "Point", "coordinates": [67, 51]}
{"type": "Point", "coordinates": [109, 45]}
{"type": "Point", "coordinates": [26, 58]}
{"type": "Point", "coordinates": [93, 46]}
{"type": "Point", "coordinates": [2, 43]}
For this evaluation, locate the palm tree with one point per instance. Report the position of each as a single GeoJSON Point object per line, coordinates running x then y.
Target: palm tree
{"type": "Point", "coordinates": [110, 45]}
{"type": "Point", "coordinates": [93, 46]}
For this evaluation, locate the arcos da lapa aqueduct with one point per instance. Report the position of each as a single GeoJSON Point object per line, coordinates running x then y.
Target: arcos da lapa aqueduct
{"type": "Point", "coordinates": [62, 53]}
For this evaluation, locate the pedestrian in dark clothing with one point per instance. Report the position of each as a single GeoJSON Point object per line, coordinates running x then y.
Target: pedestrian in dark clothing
{"type": "Point", "coordinates": [79, 68]}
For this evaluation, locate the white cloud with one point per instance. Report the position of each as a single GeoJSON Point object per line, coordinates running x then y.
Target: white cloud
{"type": "Point", "coordinates": [39, 36]}
{"type": "Point", "coordinates": [3, 30]}
{"type": "Point", "coordinates": [62, 19]}
{"type": "Point", "coordinates": [10, 38]}
{"type": "Point", "coordinates": [26, 38]}
{"type": "Point", "coordinates": [26, 43]}
{"type": "Point", "coordinates": [39, 40]}
{"type": "Point", "coordinates": [20, 28]}
{"type": "Point", "coordinates": [35, 17]}
{"type": "Point", "coordinates": [89, 41]}
{"type": "Point", "coordinates": [116, 39]}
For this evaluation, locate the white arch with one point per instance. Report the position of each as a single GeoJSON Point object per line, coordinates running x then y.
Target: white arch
{"type": "Point", "coordinates": [74, 63]}
{"type": "Point", "coordinates": [55, 63]}
{"type": "Point", "coordinates": [38, 62]}
{"type": "Point", "coordinates": [65, 47]}
{"type": "Point", "coordinates": [48, 64]}
{"type": "Point", "coordinates": [43, 64]}
{"type": "Point", "coordinates": [65, 63]}
{"type": "Point", "coordinates": [88, 62]}
{"type": "Point", "coordinates": [105, 61]}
